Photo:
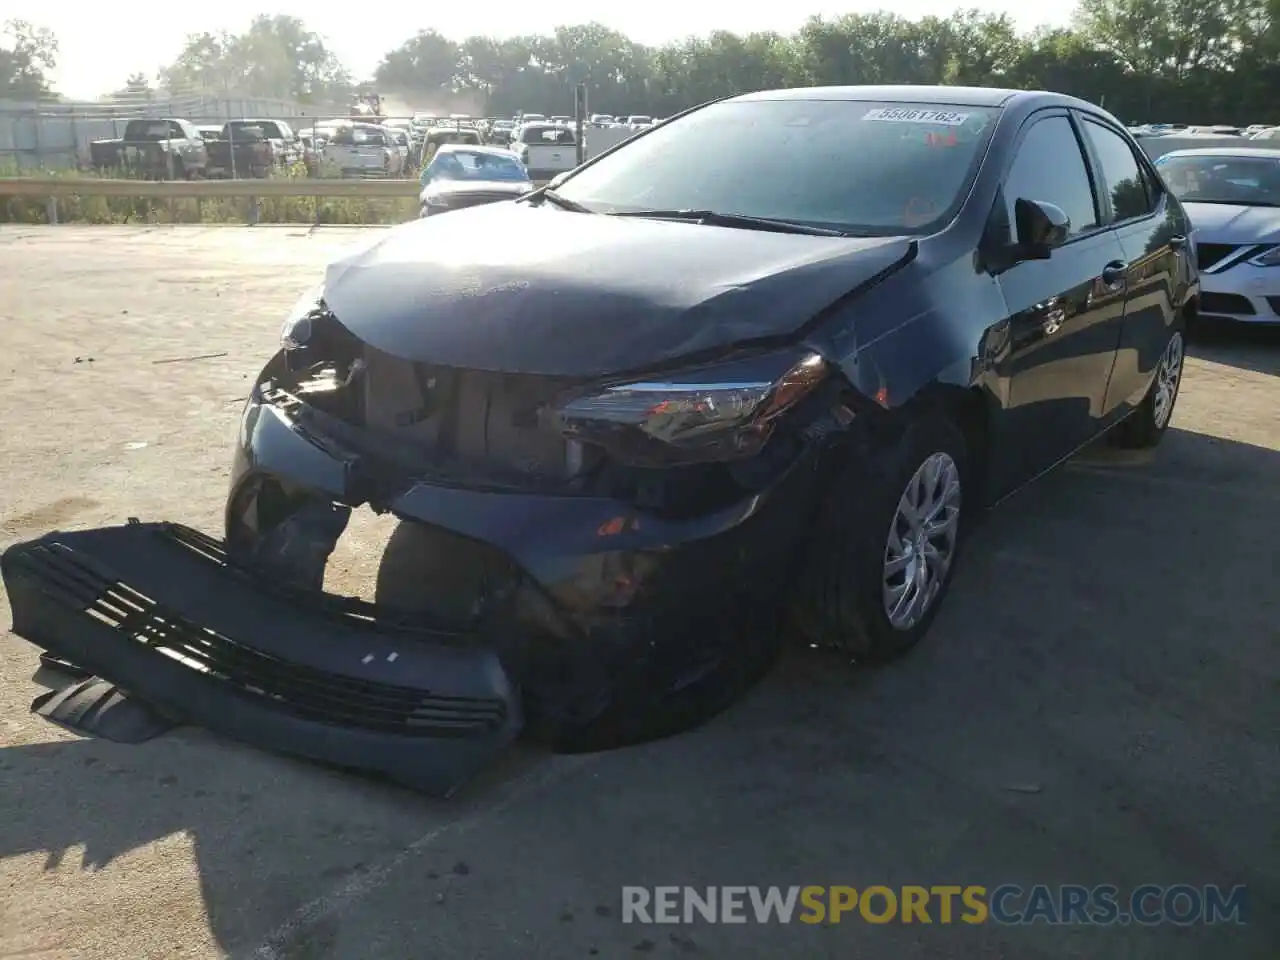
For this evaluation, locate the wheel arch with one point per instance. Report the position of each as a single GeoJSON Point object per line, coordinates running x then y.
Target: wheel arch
{"type": "Point", "coordinates": [970, 408]}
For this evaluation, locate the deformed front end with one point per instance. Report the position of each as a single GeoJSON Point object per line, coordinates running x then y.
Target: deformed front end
{"type": "Point", "coordinates": [607, 558]}
{"type": "Point", "coordinates": [625, 544]}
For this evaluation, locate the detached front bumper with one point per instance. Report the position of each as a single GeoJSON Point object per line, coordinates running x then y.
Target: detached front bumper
{"type": "Point", "coordinates": [161, 611]}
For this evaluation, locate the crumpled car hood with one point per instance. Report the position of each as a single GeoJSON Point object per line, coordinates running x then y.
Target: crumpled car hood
{"type": "Point", "coordinates": [540, 290]}
{"type": "Point", "coordinates": [1232, 223]}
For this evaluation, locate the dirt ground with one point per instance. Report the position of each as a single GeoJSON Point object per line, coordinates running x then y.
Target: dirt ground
{"type": "Point", "coordinates": [1098, 703]}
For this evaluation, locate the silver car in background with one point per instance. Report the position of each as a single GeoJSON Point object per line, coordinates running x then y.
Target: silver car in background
{"type": "Point", "coordinates": [1232, 195]}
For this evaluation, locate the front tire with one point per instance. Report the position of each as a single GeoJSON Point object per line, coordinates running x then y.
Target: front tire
{"type": "Point", "coordinates": [1146, 426]}
{"type": "Point", "coordinates": [895, 528]}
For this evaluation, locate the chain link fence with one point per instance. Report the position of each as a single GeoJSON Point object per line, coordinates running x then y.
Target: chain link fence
{"type": "Point", "coordinates": [57, 135]}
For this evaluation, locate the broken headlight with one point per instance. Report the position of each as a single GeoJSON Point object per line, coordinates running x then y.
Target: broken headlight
{"type": "Point", "coordinates": [296, 330]}
{"type": "Point", "coordinates": [722, 412]}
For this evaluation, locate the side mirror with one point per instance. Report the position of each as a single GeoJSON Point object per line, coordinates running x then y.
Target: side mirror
{"type": "Point", "coordinates": [1039, 228]}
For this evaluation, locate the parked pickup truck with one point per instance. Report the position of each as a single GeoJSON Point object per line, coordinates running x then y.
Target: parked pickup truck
{"type": "Point", "coordinates": [240, 151]}
{"type": "Point", "coordinates": [283, 139]}
{"type": "Point", "coordinates": [546, 149]}
{"type": "Point", "coordinates": [161, 149]}
{"type": "Point", "coordinates": [363, 150]}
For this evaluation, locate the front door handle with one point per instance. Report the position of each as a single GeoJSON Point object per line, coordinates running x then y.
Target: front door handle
{"type": "Point", "coordinates": [1113, 274]}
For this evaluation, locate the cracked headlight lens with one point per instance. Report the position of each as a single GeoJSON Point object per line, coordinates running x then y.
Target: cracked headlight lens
{"type": "Point", "coordinates": [721, 412]}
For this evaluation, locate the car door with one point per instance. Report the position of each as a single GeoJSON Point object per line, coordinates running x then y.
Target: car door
{"type": "Point", "coordinates": [1151, 229]}
{"type": "Point", "coordinates": [1065, 311]}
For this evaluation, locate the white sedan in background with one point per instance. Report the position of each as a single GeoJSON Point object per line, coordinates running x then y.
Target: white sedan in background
{"type": "Point", "coordinates": [1232, 195]}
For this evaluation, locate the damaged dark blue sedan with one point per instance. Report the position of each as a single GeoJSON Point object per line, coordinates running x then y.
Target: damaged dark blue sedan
{"type": "Point", "coordinates": [751, 374]}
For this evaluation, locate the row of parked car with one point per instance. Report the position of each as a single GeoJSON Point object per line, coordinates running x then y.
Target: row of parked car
{"type": "Point", "coordinates": [358, 146]}
{"type": "Point", "coordinates": [171, 148]}
{"type": "Point", "coordinates": [1255, 131]}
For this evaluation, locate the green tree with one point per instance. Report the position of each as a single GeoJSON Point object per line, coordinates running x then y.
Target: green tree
{"type": "Point", "coordinates": [277, 57]}
{"type": "Point", "coordinates": [1151, 59]}
{"type": "Point", "coordinates": [27, 55]}
{"type": "Point", "coordinates": [1172, 60]}
{"type": "Point", "coordinates": [429, 63]}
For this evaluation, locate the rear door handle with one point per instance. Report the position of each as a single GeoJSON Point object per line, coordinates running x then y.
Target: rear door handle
{"type": "Point", "coordinates": [1113, 274]}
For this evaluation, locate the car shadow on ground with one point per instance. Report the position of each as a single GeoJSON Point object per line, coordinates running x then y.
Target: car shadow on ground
{"type": "Point", "coordinates": [1097, 703]}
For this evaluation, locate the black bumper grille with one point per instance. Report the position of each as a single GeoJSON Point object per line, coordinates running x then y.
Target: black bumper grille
{"type": "Point", "coordinates": [1225, 303]}
{"type": "Point", "coordinates": [1207, 254]}
{"type": "Point", "coordinates": [303, 691]}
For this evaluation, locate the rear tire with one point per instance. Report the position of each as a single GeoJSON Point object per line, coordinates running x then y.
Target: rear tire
{"type": "Point", "coordinates": [895, 526]}
{"type": "Point", "coordinates": [1146, 426]}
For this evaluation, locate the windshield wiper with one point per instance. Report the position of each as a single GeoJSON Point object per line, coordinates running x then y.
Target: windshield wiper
{"type": "Point", "coordinates": [716, 219]}
{"type": "Point", "coordinates": [563, 203]}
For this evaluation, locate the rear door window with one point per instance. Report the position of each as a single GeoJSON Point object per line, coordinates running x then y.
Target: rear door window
{"type": "Point", "coordinates": [1122, 175]}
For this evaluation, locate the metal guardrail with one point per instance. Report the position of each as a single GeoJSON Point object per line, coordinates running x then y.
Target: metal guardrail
{"type": "Point", "coordinates": [44, 187]}
{"type": "Point", "coordinates": [50, 189]}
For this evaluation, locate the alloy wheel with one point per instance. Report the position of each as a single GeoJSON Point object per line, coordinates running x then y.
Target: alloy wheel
{"type": "Point", "coordinates": [922, 541]}
{"type": "Point", "coordinates": [1168, 376]}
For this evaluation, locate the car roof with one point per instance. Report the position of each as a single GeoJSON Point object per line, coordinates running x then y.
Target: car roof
{"type": "Point", "coordinates": [475, 148]}
{"type": "Point", "coordinates": [910, 93]}
{"type": "Point", "coordinates": [1242, 152]}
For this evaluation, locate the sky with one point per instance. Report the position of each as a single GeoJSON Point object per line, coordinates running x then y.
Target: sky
{"type": "Point", "coordinates": [100, 47]}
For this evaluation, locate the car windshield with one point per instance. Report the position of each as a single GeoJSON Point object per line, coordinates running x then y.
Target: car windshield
{"type": "Point", "coordinates": [474, 165]}
{"type": "Point", "coordinates": [861, 167]}
{"type": "Point", "coordinates": [1247, 181]}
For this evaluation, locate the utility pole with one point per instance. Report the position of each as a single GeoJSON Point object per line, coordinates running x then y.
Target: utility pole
{"type": "Point", "coordinates": [580, 116]}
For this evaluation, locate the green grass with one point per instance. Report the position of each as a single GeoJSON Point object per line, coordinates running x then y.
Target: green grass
{"type": "Point", "coordinates": [98, 209]}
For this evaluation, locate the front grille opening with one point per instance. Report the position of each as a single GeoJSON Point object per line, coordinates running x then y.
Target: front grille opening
{"type": "Point", "coordinates": [1207, 254]}
{"type": "Point", "coordinates": [486, 430]}
{"type": "Point", "coordinates": [472, 422]}
{"type": "Point", "coordinates": [404, 571]}
{"type": "Point", "coordinates": [352, 569]}
{"type": "Point", "coordinates": [1225, 303]}
{"type": "Point", "coordinates": [302, 691]}
{"type": "Point", "coordinates": [468, 426]}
